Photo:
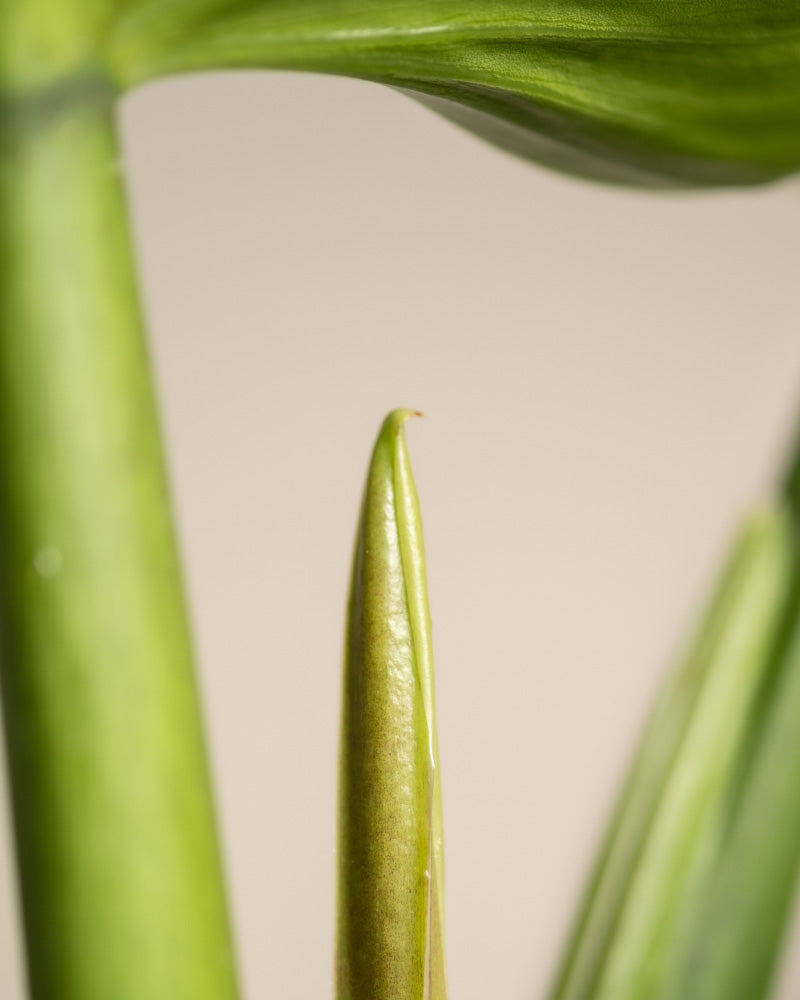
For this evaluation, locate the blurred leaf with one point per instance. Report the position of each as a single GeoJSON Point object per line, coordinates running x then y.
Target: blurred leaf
{"type": "Point", "coordinates": [690, 897]}
{"type": "Point", "coordinates": [646, 92]}
{"type": "Point", "coordinates": [731, 942]}
{"type": "Point", "coordinates": [389, 938]}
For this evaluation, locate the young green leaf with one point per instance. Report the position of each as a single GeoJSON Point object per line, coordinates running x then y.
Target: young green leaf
{"type": "Point", "coordinates": [636, 811]}
{"type": "Point", "coordinates": [692, 829]}
{"type": "Point", "coordinates": [732, 939]}
{"type": "Point", "coordinates": [646, 92]}
{"type": "Point", "coordinates": [390, 916]}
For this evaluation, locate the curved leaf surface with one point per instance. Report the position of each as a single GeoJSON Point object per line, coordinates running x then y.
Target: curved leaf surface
{"type": "Point", "coordinates": [654, 93]}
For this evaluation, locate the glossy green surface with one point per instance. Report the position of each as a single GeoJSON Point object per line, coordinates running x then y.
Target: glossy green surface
{"type": "Point", "coordinates": [116, 844]}
{"type": "Point", "coordinates": [656, 93]}
{"type": "Point", "coordinates": [389, 935]}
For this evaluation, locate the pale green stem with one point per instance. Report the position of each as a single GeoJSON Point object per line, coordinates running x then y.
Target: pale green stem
{"type": "Point", "coordinates": [118, 859]}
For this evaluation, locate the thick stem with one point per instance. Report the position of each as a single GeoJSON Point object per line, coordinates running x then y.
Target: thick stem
{"type": "Point", "coordinates": [118, 859]}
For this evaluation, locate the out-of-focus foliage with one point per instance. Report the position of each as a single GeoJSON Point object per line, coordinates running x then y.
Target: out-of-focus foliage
{"type": "Point", "coordinates": [691, 894]}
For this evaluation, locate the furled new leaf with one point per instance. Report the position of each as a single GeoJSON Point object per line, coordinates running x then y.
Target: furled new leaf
{"type": "Point", "coordinates": [389, 937]}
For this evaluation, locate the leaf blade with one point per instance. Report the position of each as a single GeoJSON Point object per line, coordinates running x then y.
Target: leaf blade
{"type": "Point", "coordinates": [654, 94]}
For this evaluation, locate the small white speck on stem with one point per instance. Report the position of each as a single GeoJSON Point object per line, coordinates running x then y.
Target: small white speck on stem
{"type": "Point", "coordinates": [48, 561]}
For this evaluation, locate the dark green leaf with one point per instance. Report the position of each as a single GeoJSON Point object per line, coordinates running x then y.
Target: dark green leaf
{"type": "Point", "coordinates": [647, 92]}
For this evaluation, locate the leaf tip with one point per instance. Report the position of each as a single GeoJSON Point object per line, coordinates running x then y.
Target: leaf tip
{"type": "Point", "coordinates": [395, 420]}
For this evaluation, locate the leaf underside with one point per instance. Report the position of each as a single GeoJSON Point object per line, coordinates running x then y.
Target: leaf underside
{"type": "Point", "coordinates": [654, 93]}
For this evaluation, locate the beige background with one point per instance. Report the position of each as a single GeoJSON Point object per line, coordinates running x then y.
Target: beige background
{"type": "Point", "coordinates": [609, 379]}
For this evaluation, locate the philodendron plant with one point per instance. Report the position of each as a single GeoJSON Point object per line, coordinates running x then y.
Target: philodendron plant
{"type": "Point", "coordinates": [117, 854]}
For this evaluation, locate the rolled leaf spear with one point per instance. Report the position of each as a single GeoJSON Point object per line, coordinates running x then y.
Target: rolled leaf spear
{"type": "Point", "coordinates": [390, 920]}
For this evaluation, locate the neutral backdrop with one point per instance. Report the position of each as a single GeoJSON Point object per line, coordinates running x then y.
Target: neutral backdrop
{"type": "Point", "coordinates": [609, 379]}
